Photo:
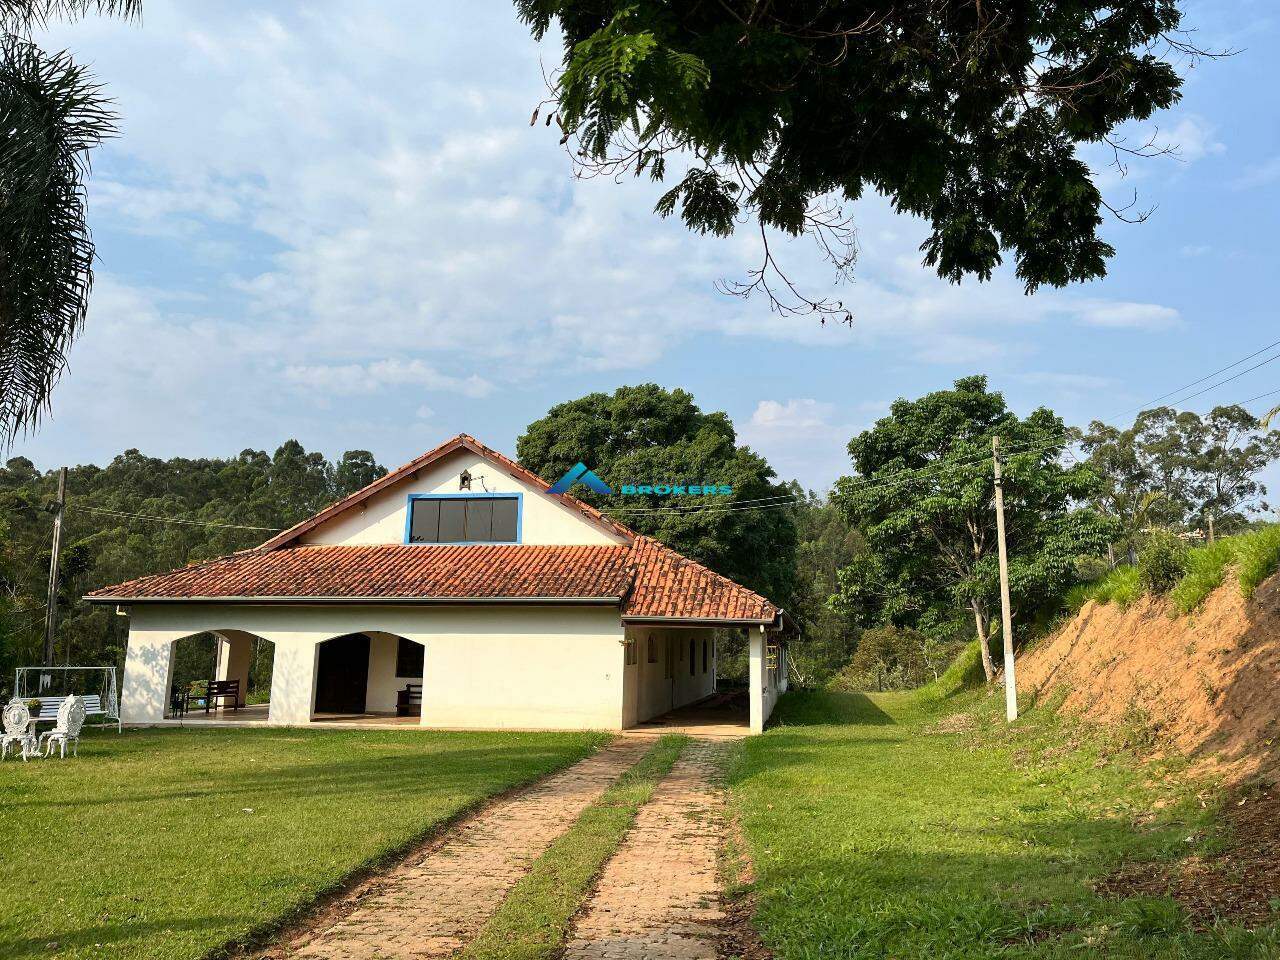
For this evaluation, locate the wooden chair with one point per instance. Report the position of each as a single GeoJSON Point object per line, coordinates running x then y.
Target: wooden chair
{"type": "Point", "coordinates": [409, 700]}
{"type": "Point", "coordinates": [223, 690]}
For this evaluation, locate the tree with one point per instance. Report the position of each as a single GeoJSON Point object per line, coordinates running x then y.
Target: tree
{"type": "Point", "coordinates": [1206, 465]}
{"type": "Point", "coordinates": [52, 115]}
{"type": "Point", "coordinates": [108, 540]}
{"type": "Point", "coordinates": [969, 115]}
{"type": "Point", "coordinates": [826, 542]}
{"type": "Point", "coordinates": [1128, 489]}
{"type": "Point", "coordinates": [923, 499]}
{"type": "Point", "coordinates": [647, 435]}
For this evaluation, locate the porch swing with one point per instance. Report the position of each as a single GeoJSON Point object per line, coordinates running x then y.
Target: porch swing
{"type": "Point", "coordinates": [51, 685]}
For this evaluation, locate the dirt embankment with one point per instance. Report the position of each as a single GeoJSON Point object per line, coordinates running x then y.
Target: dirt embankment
{"type": "Point", "coordinates": [1207, 683]}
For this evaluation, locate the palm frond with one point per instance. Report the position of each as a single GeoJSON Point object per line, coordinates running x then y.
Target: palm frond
{"type": "Point", "coordinates": [51, 115]}
{"type": "Point", "coordinates": [20, 15]}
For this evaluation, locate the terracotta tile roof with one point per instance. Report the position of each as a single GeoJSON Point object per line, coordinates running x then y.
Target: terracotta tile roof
{"type": "Point", "coordinates": [670, 586]}
{"type": "Point", "coordinates": [395, 571]}
{"type": "Point", "coordinates": [653, 581]}
{"type": "Point", "coordinates": [461, 442]}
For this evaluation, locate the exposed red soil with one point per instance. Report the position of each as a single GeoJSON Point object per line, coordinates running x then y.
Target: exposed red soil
{"type": "Point", "coordinates": [1207, 684]}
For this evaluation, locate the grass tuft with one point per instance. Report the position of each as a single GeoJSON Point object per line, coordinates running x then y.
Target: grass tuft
{"type": "Point", "coordinates": [1259, 558]}
{"type": "Point", "coordinates": [1206, 569]}
{"type": "Point", "coordinates": [1122, 586]}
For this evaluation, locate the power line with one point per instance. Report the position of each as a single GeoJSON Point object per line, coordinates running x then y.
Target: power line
{"type": "Point", "coordinates": [200, 523]}
{"type": "Point", "coordinates": [907, 475]}
{"type": "Point", "coordinates": [789, 500]}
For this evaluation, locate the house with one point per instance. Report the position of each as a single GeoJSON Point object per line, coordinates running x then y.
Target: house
{"type": "Point", "coordinates": [510, 606]}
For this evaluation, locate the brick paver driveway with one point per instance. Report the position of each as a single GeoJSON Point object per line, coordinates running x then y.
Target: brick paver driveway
{"type": "Point", "coordinates": [436, 901]}
{"type": "Point", "coordinates": [659, 897]}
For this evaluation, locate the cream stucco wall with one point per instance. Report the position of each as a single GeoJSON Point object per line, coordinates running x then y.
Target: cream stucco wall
{"type": "Point", "coordinates": [766, 684]}
{"type": "Point", "coordinates": [537, 667]}
{"type": "Point", "coordinates": [653, 688]}
{"type": "Point", "coordinates": [384, 683]}
{"type": "Point", "coordinates": [381, 518]}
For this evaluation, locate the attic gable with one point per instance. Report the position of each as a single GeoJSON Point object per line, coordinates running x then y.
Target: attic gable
{"type": "Point", "coordinates": [382, 489]}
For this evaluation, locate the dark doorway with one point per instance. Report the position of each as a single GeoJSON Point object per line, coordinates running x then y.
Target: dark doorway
{"type": "Point", "coordinates": [342, 674]}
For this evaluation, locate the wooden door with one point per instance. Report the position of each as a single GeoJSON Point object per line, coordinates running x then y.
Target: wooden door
{"type": "Point", "coordinates": [342, 674]}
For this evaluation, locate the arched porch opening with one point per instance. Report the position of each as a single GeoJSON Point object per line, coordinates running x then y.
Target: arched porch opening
{"type": "Point", "coordinates": [235, 663]}
{"type": "Point", "coordinates": [372, 675]}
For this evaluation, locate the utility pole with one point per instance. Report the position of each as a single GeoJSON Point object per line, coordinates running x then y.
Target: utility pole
{"type": "Point", "coordinates": [1006, 616]}
{"type": "Point", "coordinates": [51, 604]}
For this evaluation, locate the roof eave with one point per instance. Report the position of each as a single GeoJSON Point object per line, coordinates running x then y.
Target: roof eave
{"type": "Point", "coordinates": [396, 601]}
{"type": "Point", "coordinates": [703, 621]}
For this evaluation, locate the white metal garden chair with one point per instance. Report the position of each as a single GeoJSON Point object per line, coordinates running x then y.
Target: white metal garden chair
{"type": "Point", "coordinates": [67, 731]}
{"type": "Point", "coordinates": [16, 720]}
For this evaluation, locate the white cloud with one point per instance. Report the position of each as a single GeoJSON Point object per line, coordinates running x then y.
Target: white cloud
{"type": "Point", "coordinates": [356, 197]}
{"type": "Point", "coordinates": [1127, 316]}
{"type": "Point", "coordinates": [355, 378]}
{"type": "Point", "coordinates": [1191, 138]}
{"type": "Point", "coordinates": [802, 437]}
{"type": "Point", "coordinates": [1260, 175]}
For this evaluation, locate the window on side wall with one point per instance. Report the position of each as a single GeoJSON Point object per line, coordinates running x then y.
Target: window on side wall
{"type": "Point", "coordinates": [693, 665]}
{"type": "Point", "coordinates": [464, 519]}
{"type": "Point", "coordinates": [704, 655]}
{"type": "Point", "coordinates": [409, 659]}
{"type": "Point", "coordinates": [653, 649]}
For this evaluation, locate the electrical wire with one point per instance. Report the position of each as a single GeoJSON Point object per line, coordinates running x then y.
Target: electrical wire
{"type": "Point", "coordinates": [789, 500]}
{"type": "Point", "coordinates": [201, 523]}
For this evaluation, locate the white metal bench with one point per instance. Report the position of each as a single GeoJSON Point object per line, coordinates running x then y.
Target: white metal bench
{"type": "Point", "coordinates": [49, 708]}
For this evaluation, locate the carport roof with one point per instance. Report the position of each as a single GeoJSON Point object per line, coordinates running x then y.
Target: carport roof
{"type": "Point", "coordinates": [651, 582]}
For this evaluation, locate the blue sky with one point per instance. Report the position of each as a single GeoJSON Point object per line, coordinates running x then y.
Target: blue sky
{"type": "Point", "coordinates": [333, 222]}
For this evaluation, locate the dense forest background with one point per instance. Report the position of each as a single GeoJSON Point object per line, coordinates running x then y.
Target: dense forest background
{"type": "Point", "coordinates": [887, 574]}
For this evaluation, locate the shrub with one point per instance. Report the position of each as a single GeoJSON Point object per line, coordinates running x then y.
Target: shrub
{"type": "Point", "coordinates": [1206, 569]}
{"type": "Point", "coordinates": [1259, 557]}
{"type": "Point", "coordinates": [1163, 562]}
{"type": "Point", "coordinates": [893, 658]}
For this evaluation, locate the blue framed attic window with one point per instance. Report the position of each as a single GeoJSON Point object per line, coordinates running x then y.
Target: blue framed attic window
{"type": "Point", "coordinates": [462, 518]}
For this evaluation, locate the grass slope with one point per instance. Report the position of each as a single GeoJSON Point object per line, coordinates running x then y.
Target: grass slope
{"type": "Point", "coordinates": [169, 843]}
{"type": "Point", "coordinates": [881, 828]}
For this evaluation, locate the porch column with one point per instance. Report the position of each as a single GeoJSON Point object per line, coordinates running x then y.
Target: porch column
{"type": "Point", "coordinates": [148, 667]}
{"type": "Point", "coordinates": [293, 681]}
{"type": "Point", "coordinates": [756, 677]}
{"type": "Point", "coordinates": [235, 654]}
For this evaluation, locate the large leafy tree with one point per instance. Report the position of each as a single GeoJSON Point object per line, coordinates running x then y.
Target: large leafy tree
{"type": "Point", "coordinates": [52, 115]}
{"type": "Point", "coordinates": [923, 497]}
{"type": "Point", "coordinates": [647, 435]}
{"type": "Point", "coordinates": [1179, 468]}
{"type": "Point", "coordinates": [969, 115]}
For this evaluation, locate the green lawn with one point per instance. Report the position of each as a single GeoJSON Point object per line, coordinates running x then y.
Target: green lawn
{"type": "Point", "coordinates": [169, 843]}
{"type": "Point", "coordinates": [876, 834]}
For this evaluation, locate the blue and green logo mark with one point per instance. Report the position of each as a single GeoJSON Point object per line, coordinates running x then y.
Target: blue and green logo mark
{"type": "Point", "coordinates": [579, 473]}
